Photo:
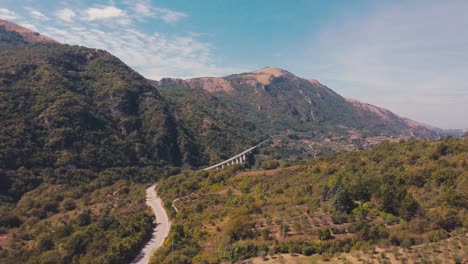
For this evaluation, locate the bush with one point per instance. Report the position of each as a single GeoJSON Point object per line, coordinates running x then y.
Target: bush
{"type": "Point", "coordinates": [239, 227]}
{"type": "Point", "coordinates": [68, 204]}
{"type": "Point", "coordinates": [449, 221]}
{"type": "Point", "coordinates": [325, 234]}
{"type": "Point", "coordinates": [10, 220]}
{"type": "Point", "coordinates": [83, 219]}
{"type": "Point", "coordinates": [270, 165]}
{"type": "Point", "coordinates": [339, 218]}
{"type": "Point", "coordinates": [238, 250]}
{"type": "Point", "coordinates": [44, 243]}
{"type": "Point", "coordinates": [406, 243]}
{"type": "Point", "coordinates": [439, 235]}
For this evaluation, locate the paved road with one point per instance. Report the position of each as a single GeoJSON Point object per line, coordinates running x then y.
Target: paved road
{"type": "Point", "coordinates": [161, 230]}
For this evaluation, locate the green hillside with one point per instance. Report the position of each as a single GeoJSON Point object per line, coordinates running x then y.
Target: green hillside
{"type": "Point", "coordinates": [399, 194]}
{"type": "Point", "coordinates": [79, 133]}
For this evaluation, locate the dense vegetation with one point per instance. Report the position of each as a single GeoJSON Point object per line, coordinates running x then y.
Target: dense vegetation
{"type": "Point", "coordinates": [399, 194]}
{"type": "Point", "coordinates": [80, 132]}
{"type": "Point", "coordinates": [221, 133]}
{"type": "Point", "coordinates": [73, 106]}
{"type": "Point", "coordinates": [77, 217]}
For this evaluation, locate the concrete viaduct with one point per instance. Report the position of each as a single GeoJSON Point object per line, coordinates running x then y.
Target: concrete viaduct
{"type": "Point", "coordinates": [237, 159]}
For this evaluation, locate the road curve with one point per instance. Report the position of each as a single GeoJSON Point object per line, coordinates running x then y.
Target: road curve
{"type": "Point", "coordinates": [161, 230]}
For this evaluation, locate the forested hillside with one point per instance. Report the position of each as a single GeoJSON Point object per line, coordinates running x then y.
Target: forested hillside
{"type": "Point", "coordinates": [399, 194]}
{"type": "Point", "coordinates": [79, 133]}
{"type": "Point", "coordinates": [303, 117]}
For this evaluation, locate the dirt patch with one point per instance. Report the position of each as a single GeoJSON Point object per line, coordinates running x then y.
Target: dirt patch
{"type": "Point", "coordinates": [211, 84]}
{"type": "Point", "coordinates": [265, 75]}
{"type": "Point", "coordinates": [4, 240]}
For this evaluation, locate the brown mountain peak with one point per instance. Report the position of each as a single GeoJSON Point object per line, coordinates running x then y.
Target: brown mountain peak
{"type": "Point", "coordinates": [265, 75]}
{"type": "Point", "coordinates": [277, 72]}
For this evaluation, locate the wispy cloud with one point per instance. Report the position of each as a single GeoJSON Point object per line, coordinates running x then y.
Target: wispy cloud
{"type": "Point", "coordinates": [65, 14]}
{"type": "Point", "coordinates": [403, 56]}
{"type": "Point", "coordinates": [153, 54]}
{"type": "Point", "coordinates": [37, 14]}
{"type": "Point", "coordinates": [7, 14]}
{"type": "Point", "coordinates": [144, 9]}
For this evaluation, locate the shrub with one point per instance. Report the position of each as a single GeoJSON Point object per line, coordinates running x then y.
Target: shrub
{"type": "Point", "coordinates": [10, 220]}
{"type": "Point", "coordinates": [325, 234]}
{"type": "Point", "coordinates": [270, 165]}
{"type": "Point", "coordinates": [238, 250]}
{"type": "Point", "coordinates": [44, 242]}
{"type": "Point", "coordinates": [449, 221]}
{"type": "Point", "coordinates": [339, 218]}
{"type": "Point", "coordinates": [83, 219]}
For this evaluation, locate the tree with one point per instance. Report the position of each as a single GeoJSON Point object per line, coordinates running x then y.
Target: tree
{"type": "Point", "coordinates": [44, 242]}
{"type": "Point", "coordinates": [83, 219]}
{"type": "Point", "coordinates": [408, 207]}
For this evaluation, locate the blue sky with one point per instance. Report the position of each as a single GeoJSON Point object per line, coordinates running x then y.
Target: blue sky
{"type": "Point", "coordinates": [410, 57]}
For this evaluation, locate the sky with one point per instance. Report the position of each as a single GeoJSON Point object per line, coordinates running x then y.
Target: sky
{"type": "Point", "coordinates": [410, 57]}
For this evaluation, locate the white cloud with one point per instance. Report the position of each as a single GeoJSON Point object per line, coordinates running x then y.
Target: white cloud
{"type": "Point", "coordinates": [103, 12]}
{"type": "Point", "coordinates": [143, 8]}
{"type": "Point", "coordinates": [7, 14]}
{"type": "Point", "coordinates": [407, 57]}
{"type": "Point", "coordinates": [66, 14]}
{"type": "Point", "coordinates": [154, 55]}
{"type": "Point", "coordinates": [37, 15]}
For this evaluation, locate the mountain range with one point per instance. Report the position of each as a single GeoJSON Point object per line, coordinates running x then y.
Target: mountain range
{"type": "Point", "coordinates": [75, 97]}
{"type": "Point", "coordinates": [81, 134]}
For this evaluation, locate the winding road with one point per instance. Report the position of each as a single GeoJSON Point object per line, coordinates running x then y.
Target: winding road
{"type": "Point", "coordinates": [161, 230]}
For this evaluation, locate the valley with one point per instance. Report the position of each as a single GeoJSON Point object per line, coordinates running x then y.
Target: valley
{"type": "Point", "coordinates": [84, 139]}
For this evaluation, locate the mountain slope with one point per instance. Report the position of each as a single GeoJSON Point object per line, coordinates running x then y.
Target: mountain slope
{"type": "Point", "coordinates": [229, 113]}
{"type": "Point", "coordinates": [12, 33]}
{"type": "Point", "coordinates": [79, 133]}
{"type": "Point", "coordinates": [74, 103]}
{"type": "Point", "coordinates": [72, 107]}
{"type": "Point", "coordinates": [399, 125]}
